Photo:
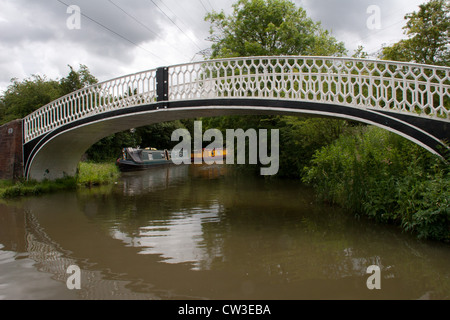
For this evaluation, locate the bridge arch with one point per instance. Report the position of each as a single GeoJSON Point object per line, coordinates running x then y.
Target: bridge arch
{"type": "Point", "coordinates": [408, 99]}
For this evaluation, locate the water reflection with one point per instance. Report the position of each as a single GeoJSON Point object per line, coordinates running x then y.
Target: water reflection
{"type": "Point", "coordinates": [207, 232]}
{"type": "Point", "coordinates": [158, 178]}
{"type": "Point", "coordinates": [181, 239]}
{"type": "Point", "coordinates": [176, 235]}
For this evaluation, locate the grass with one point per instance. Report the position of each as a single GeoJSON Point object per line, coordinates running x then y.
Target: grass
{"type": "Point", "coordinates": [89, 174]}
{"type": "Point", "coordinates": [93, 174]}
{"type": "Point", "coordinates": [9, 189]}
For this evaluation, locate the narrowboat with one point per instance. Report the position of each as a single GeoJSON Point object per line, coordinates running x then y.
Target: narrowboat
{"type": "Point", "coordinates": [141, 159]}
{"type": "Point", "coordinates": [134, 159]}
{"type": "Point", "coordinates": [208, 154]}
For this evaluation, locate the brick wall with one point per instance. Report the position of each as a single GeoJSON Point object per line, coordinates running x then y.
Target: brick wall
{"type": "Point", "coordinates": [11, 156]}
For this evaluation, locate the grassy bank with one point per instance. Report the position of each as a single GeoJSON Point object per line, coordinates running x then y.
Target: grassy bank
{"type": "Point", "coordinates": [89, 174]}
{"type": "Point", "coordinates": [387, 178]}
{"type": "Point", "coordinates": [9, 189]}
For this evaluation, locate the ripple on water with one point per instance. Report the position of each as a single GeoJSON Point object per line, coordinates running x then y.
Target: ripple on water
{"type": "Point", "coordinates": [20, 280]}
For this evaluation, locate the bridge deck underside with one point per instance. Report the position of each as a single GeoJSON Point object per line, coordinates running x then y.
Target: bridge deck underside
{"type": "Point", "coordinates": [58, 153]}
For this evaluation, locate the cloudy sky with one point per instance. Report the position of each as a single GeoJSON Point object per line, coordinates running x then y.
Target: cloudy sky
{"type": "Point", "coordinates": [119, 37]}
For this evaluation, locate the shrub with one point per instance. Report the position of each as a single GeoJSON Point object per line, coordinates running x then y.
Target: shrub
{"type": "Point", "coordinates": [387, 178]}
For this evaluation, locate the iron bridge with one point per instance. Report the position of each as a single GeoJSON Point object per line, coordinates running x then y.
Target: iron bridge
{"type": "Point", "coordinates": [412, 100]}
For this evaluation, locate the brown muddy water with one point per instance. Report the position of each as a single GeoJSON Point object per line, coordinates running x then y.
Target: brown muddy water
{"type": "Point", "coordinates": [205, 232]}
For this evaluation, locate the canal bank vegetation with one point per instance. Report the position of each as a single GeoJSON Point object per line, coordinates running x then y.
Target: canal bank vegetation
{"type": "Point", "coordinates": [385, 177]}
{"type": "Point", "coordinates": [22, 188]}
{"type": "Point", "coordinates": [94, 174]}
{"type": "Point", "coordinates": [89, 175]}
{"type": "Point", "coordinates": [381, 175]}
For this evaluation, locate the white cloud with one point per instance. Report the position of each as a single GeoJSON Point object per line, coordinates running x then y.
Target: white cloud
{"type": "Point", "coordinates": [348, 20]}
{"type": "Point", "coordinates": [118, 37]}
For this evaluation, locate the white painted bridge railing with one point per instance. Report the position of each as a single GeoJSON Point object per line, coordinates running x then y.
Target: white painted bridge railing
{"type": "Point", "coordinates": [421, 90]}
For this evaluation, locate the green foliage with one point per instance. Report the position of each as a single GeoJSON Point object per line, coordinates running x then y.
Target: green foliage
{"type": "Point", "coordinates": [154, 136]}
{"type": "Point", "coordinates": [90, 174]}
{"type": "Point", "coordinates": [385, 177]}
{"type": "Point", "coordinates": [299, 137]}
{"type": "Point", "coordinates": [9, 189]}
{"type": "Point", "coordinates": [244, 123]}
{"type": "Point", "coordinates": [77, 80]}
{"type": "Point", "coordinates": [110, 148]}
{"type": "Point", "coordinates": [159, 135]}
{"type": "Point", "coordinates": [269, 27]}
{"type": "Point", "coordinates": [429, 36]}
{"type": "Point", "coordinates": [360, 53]}
{"type": "Point", "coordinates": [24, 97]}
{"type": "Point", "coordinates": [424, 203]}
{"type": "Point", "coordinates": [275, 27]}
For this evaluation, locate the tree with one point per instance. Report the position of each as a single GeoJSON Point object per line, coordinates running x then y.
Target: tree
{"type": "Point", "coordinates": [24, 97]}
{"type": "Point", "coordinates": [360, 53]}
{"type": "Point", "coordinates": [269, 27]}
{"type": "Point", "coordinates": [77, 80]}
{"type": "Point", "coordinates": [429, 36]}
{"type": "Point", "coordinates": [109, 148]}
{"type": "Point", "coordinates": [159, 135]}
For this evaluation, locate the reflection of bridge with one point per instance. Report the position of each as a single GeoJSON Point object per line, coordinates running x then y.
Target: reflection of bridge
{"type": "Point", "coordinates": [409, 99]}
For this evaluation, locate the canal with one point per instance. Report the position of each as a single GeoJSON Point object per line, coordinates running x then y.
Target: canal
{"type": "Point", "coordinates": [207, 232]}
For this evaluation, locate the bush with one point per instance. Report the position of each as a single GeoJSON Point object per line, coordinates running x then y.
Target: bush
{"type": "Point", "coordinates": [424, 204]}
{"type": "Point", "coordinates": [387, 178]}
